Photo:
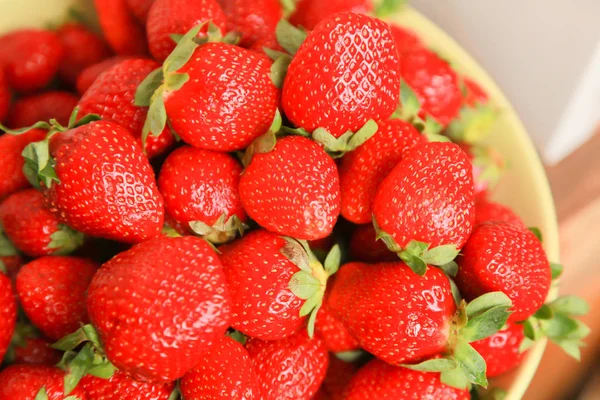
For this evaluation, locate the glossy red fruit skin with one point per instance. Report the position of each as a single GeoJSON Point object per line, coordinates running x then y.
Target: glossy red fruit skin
{"type": "Point", "coordinates": [168, 17]}
{"type": "Point", "coordinates": [334, 333]}
{"type": "Point", "coordinates": [11, 162]}
{"type": "Point", "coordinates": [501, 350]}
{"type": "Point", "coordinates": [51, 291]}
{"type": "Point", "coordinates": [428, 197]}
{"type": "Point", "coordinates": [266, 309]}
{"type": "Point", "coordinates": [378, 380]}
{"type": "Point", "coordinates": [30, 58]}
{"type": "Point", "coordinates": [23, 382]}
{"type": "Point", "coordinates": [226, 371]}
{"type": "Point", "coordinates": [346, 72]}
{"type": "Point", "coordinates": [252, 19]}
{"type": "Point", "coordinates": [109, 192]}
{"type": "Point", "coordinates": [435, 83]}
{"type": "Point", "coordinates": [8, 313]}
{"type": "Point", "coordinates": [122, 387]}
{"type": "Point", "coordinates": [112, 96]}
{"type": "Point", "coordinates": [289, 369]}
{"type": "Point", "coordinates": [89, 74]}
{"type": "Point", "coordinates": [122, 31]}
{"type": "Point", "coordinates": [5, 96]}
{"type": "Point", "coordinates": [159, 306]}
{"type": "Point", "coordinates": [28, 110]}
{"type": "Point", "coordinates": [200, 185]}
{"type": "Point", "coordinates": [363, 170]}
{"type": "Point", "coordinates": [365, 247]}
{"type": "Point", "coordinates": [406, 40]}
{"type": "Point", "coordinates": [417, 327]}
{"type": "Point", "coordinates": [309, 13]}
{"type": "Point", "coordinates": [500, 256]}
{"type": "Point", "coordinates": [140, 8]}
{"type": "Point", "coordinates": [235, 100]}
{"type": "Point", "coordinates": [489, 211]}
{"type": "Point", "coordinates": [36, 351]}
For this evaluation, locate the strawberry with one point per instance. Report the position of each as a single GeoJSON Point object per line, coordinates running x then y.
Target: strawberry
{"type": "Point", "coordinates": [30, 109]}
{"type": "Point", "coordinates": [82, 49]}
{"type": "Point", "coordinates": [293, 189]}
{"type": "Point", "coordinates": [30, 58]}
{"type": "Point", "coordinates": [251, 19]}
{"type": "Point", "coordinates": [379, 380]}
{"type": "Point", "coordinates": [291, 368]}
{"type": "Point", "coordinates": [425, 207]}
{"type": "Point", "coordinates": [30, 381]}
{"type": "Point", "coordinates": [486, 211]}
{"type": "Point", "coordinates": [226, 371]}
{"type": "Point", "coordinates": [140, 8]}
{"type": "Point", "coordinates": [501, 256]}
{"type": "Point", "coordinates": [363, 170]}
{"type": "Point", "coordinates": [475, 93]}
{"type": "Point", "coordinates": [5, 96]}
{"type": "Point", "coordinates": [269, 42]}
{"type": "Point", "coordinates": [200, 189]}
{"type": "Point", "coordinates": [11, 162]}
{"type": "Point", "coordinates": [167, 17]}
{"type": "Point", "coordinates": [339, 374]}
{"type": "Point", "coordinates": [501, 351]}
{"type": "Point", "coordinates": [333, 332]}
{"type": "Point", "coordinates": [8, 313]}
{"type": "Point", "coordinates": [309, 13]}
{"type": "Point", "coordinates": [121, 387]}
{"type": "Point", "coordinates": [122, 32]}
{"type": "Point", "coordinates": [35, 351]}
{"type": "Point", "coordinates": [365, 247]}
{"type": "Point", "coordinates": [60, 308]}
{"type": "Point", "coordinates": [488, 166]}
{"type": "Point", "coordinates": [112, 96]}
{"type": "Point", "coordinates": [89, 74]}
{"type": "Point", "coordinates": [406, 40]}
{"type": "Point", "coordinates": [11, 263]}
{"type": "Point", "coordinates": [33, 229]}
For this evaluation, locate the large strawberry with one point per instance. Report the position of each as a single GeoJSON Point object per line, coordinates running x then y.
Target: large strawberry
{"type": "Point", "coordinates": [487, 211]}
{"type": "Point", "coordinates": [291, 368]}
{"type": "Point", "coordinates": [200, 189]}
{"type": "Point", "coordinates": [293, 189]}
{"type": "Point", "coordinates": [251, 19]}
{"type": "Point", "coordinates": [30, 109]}
{"type": "Point", "coordinates": [89, 75]}
{"type": "Point", "coordinates": [5, 96]}
{"type": "Point", "coordinates": [8, 313]}
{"type": "Point", "coordinates": [406, 40]}
{"type": "Point", "coordinates": [425, 207]}
{"type": "Point", "coordinates": [121, 387]}
{"type": "Point", "coordinates": [29, 381]}
{"type": "Point", "coordinates": [365, 247]}
{"type": "Point", "coordinates": [309, 13]}
{"type": "Point", "coordinates": [501, 351]}
{"type": "Point", "coordinates": [124, 34]}
{"type": "Point", "coordinates": [33, 229]}
{"type": "Point", "coordinates": [226, 371]}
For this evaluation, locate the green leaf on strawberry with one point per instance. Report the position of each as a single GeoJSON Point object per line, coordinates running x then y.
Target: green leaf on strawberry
{"type": "Point", "coordinates": [473, 123]}
{"type": "Point", "coordinates": [556, 269]}
{"type": "Point", "coordinates": [289, 36]}
{"type": "Point", "coordinates": [6, 247]}
{"type": "Point", "coordinates": [65, 240]}
{"type": "Point", "coordinates": [338, 146]}
{"type": "Point", "coordinates": [279, 70]}
{"type": "Point", "coordinates": [264, 143]}
{"type": "Point", "coordinates": [222, 231]}
{"type": "Point", "coordinates": [42, 394]}
{"type": "Point", "coordinates": [537, 232]}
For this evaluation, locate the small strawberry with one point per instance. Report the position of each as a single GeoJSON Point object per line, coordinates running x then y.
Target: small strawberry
{"type": "Point", "coordinates": [365, 247]}
{"type": "Point", "coordinates": [89, 74]}
{"type": "Point", "coordinates": [489, 211]}
{"type": "Point", "coordinates": [501, 351]}
{"type": "Point", "coordinates": [293, 189]}
{"type": "Point", "coordinates": [225, 371]}
{"type": "Point", "coordinates": [33, 229]}
{"type": "Point", "coordinates": [82, 49]}
{"type": "Point", "coordinates": [5, 96]}
{"type": "Point", "coordinates": [339, 374]}
{"type": "Point", "coordinates": [333, 332]}
{"type": "Point", "coordinates": [122, 32]}
{"type": "Point", "coordinates": [406, 40]}
{"type": "Point", "coordinates": [112, 97]}
{"type": "Point", "coordinates": [291, 368]}
{"type": "Point", "coordinates": [30, 109]}
{"type": "Point", "coordinates": [30, 381]}
{"type": "Point", "coordinates": [253, 20]}
{"type": "Point", "coordinates": [200, 189]}
{"type": "Point", "coordinates": [140, 8]}
{"type": "Point", "coordinates": [30, 58]}
{"type": "Point", "coordinates": [35, 351]}
{"type": "Point", "coordinates": [8, 313]}
{"type": "Point", "coordinates": [425, 207]}
{"type": "Point", "coordinates": [168, 17]}
{"type": "Point", "coordinates": [378, 380]}
{"type": "Point", "coordinates": [121, 387]}
{"type": "Point", "coordinates": [309, 13]}
{"type": "Point", "coordinates": [501, 256]}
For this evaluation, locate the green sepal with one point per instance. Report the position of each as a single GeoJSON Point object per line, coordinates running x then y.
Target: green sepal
{"type": "Point", "coordinates": [183, 51]}
{"type": "Point", "coordinates": [222, 231]}
{"type": "Point", "coordinates": [570, 305]}
{"type": "Point", "coordinates": [333, 260]}
{"type": "Point", "coordinates": [81, 335]}
{"type": "Point", "coordinates": [544, 312]}
{"type": "Point", "coordinates": [289, 37]}
{"type": "Point", "coordinates": [471, 362]}
{"type": "Point", "coordinates": [433, 365]}
{"type": "Point", "coordinates": [279, 70]}
{"type": "Point", "coordinates": [455, 292]}
{"type": "Point", "coordinates": [386, 238]}
{"type": "Point", "coordinates": [450, 268]}
{"type": "Point", "coordinates": [415, 263]}
{"type": "Point", "coordinates": [264, 143]}
{"type": "Point", "coordinates": [388, 7]}
{"type": "Point", "coordinates": [157, 115]}
{"type": "Point", "coordinates": [103, 371]}
{"type": "Point", "coordinates": [288, 7]}
{"type": "Point", "coordinates": [39, 165]}
{"type": "Point", "coordinates": [417, 255]}
{"type": "Point", "coordinates": [525, 345]}
{"type": "Point", "coordinates": [473, 123]}
{"type": "Point", "coordinates": [432, 129]}
{"type": "Point", "coordinates": [486, 302]}
{"type": "Point", "coordinates": [175, 394]}
{"type": "Point", "coordinates": [304, 285]}
{"type": "Point", "coordinates": [440, 255]}
{"type": "Point", "coordinates": [537, 232]}
{"type": "Point", "coordinates": [38, 125]}
{"type": "Point", "coordinates": [78, 367]}
{"type": "Point", "coordinates": [485, 324]}
{"type": "Point", "coordinates": [409, 103]}
{"type": "Point", "coordinates": [556, 269]}
{"type": "Point", "coordinates": [310, 304]}
{"type": "Point", "coordinates": [169, 232]}
{"type": "Point", "coordinates": [7, 249]}
{"type": "Point", "coordinates": [146, 89]}
{"type": "Point", "coordinates": [42, 394]}
{"type": "Point", "coordinates": [351, 356]}
{"type": "Point", "coordinates": [349, 141]}
{"type": "Point", "coordinates": [238, 337]}
{"type": "Point", "coordinates": [295, 131]}
{"type": "Point", "coordinates": [456, 378]}
{"type": "Point", "coordinates": [436, 137]}
{"type": "Point", "coordinates": [65, 240]}
{"type": "Point", "coordinates": [176, 37]}
{"type": "Point", "coordinates": [295, 252]}
{"type": "Point", "coordinates": [175, 81]}
{"type": "Point", "coordinates": [310, 325]}
{"type": "Point", "coordinates": [274, 54]}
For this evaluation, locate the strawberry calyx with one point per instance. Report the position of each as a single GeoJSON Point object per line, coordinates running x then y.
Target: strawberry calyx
{"type": "Point", "coordinates": [238, 336]}
{"type": "Point", "coordinates": [409, 109]}
{"type": "Point", "coordinates": [289, 37]}
{"type": "Point", "coordinates": [337, 147]}
{"type": "Point", "coordinates": [42, 394]}
{"type": "Point", "coordinates": [65, 240]}
{"type": "Point", "coordinates": [473, 124]}
{"type": "Point", "coordinates": [490, 164]}
{"type": "Point", "coordinates": [388, 7]}
{"type": "Point", "coordinates": [264, 143]}
{"type": "Point", "coordinates": [7, 249]}
{"type": "Point", "coordinates": [222, 231]}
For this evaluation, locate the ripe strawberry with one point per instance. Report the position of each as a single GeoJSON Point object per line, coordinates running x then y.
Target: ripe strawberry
{"type": "Point", "coordinates": [60, 308]}
{"type": "Point", "coordinates": [333, 332]}
{"type": "Point", "coordinates": [343, 75]}
{"type": "Point", "coordinates": [226, 371]}
{"type": "Point", "coordinates": [89, 74]}
{"type": "Point", "coordinates": [28, 110]}
{"type": "Point", "coordinates": [112, 96]}
{"type": "Point", "coordinates": [159, 306]}
{"type": "Point", "coordinates": [252, 19]}
{"type": "Point", "coordinates": [5, 96]}
{"type": "Point", "coordinates": [363, 170]}
{"type": "Point", "coordinates": [82, 49]}
{"type": "Point", "coordinates": [291, 368]}
{"type": "Point", "coordinates": [11, 162]}
{"type": "Point", "coordinates": [200, 188]}
{"type": "Point", "coordinates": [269, 42]}
{"type": "Point", "coordinates": [167, 17]}
{"type": "Point", "coordinates": [500, 256]}
{"type": "Point", "coordinates": [406, 40]}
{"type": "Point", "coordinates": [25, 382]}
{"type": "Point", "coordinates": [140, 8]}
{"type": "Point", "coordinates": [35, 351]}
{"type": "Point", "coordinates": [365, 247]}
{"type": "Point", "coordinates": [121, 387]}
{"type": "Point", "coordinates": [487, 211]}
{"type": "Point", "coordinates": [426, 205]}
{"type": "Point", "coordinates": [8, 313]}
{"type": "Point", "coordinates": [292, 190]}
{"type": "Point", "coordinates": [501, 351]}
{"type": "Point", "coordinates": [339, 374]}
{"type": "Point", "coordinates": [309, 13]}
{"type": "Point", "coordinates": [122, 32]}
{"type": "Point", "coordinates": [379, 380]}
{"type": "Point", "coordinates": [33, 229]}
{"type": "Point", "coordinates": [30, 58]}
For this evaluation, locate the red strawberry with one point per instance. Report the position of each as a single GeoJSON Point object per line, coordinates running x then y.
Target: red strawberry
{"type": "Point", "coordinates": [82, 49]}
{"type": "Point", "coordinates": [291, 368]}
{"type": "Point", "coordinates": [501, 351]}
{"type": "Point", "coordinates": [159, 306]}
{"type": "Point", "coordinates": [10, 263]}
{"type": "Point", "coordinates": [486, 211]}
{"type": "Point", "coordinates": [33, 229]}
{"type": "Point", "coordinates": [226, 371]}
{"type": "Point", "coordinates": [5, 96]}
{"type": "Point", "coordinates": [363, 170]}
{"type": "Point", "coordinates": [42, 107]}
{"type": "Point", "coordinates": [343, 75]}
{"type": "Point", "coordinates": [200, 187]}
{"type": "Point", "coordinates": [89, 75]}
{"type": "Point", "coordinates": [60, 308]}
{"type": "Point", "coordinates": [475, 93]}
{"type": "Point", "coordinates": [167, 17]}
{"type": "Point", "coordinates": [365, 247]}
{"type": "Point", "coordinates": [339, 374]}
{"type": "Point", "coordinates": [292, 190]}
{"type": "Point", "coordinates": [8, 314]}
{"type": "Point", "coordinates": [140, 8]}
{"type": "Point", "coordinates": [11, 162]}
{"type": "Point", "coordinates": [269, 42]}
{"type": "Point", "coordinates": [36, 351]}
{"type": "Point", "coordinates": [25, 382]}
{"type": "Point", "coordinates": [501, 256]}
{"type": "Point", "coordinates": [121, 387]}
{"type": "Point", "coordinates": [333, 332]}
{"type": "Point", "coordinates": [406, 40]}
{"type": "Point", "coordinates": [30, 58]}
{"type": "Point", "coordinates": [427, 202]}
{"type": "Point", "coordinates": [378, 380]}
{"type": "Point", "coordinates": [309, 13]}
{"type": "Point", "coordinates": [252, 19]}
{"type": "Point", "coordinates": [124, 34]}
{"type": "Point", "coordinates": [112, 96]}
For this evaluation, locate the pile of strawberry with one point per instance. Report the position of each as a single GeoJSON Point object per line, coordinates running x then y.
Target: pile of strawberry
{"type": "Point", "coordinates": [239, 199]}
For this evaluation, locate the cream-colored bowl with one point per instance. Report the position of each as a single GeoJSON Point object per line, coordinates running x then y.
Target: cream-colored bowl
{"type": "Point", "coordinates": [524, 187]}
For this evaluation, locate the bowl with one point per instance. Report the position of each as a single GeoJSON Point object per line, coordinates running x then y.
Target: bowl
{"type": "Point", "coordinates": [524, 187]}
